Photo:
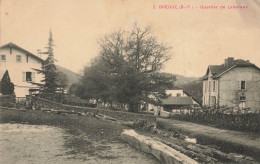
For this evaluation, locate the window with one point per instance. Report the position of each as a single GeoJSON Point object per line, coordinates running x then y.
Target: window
{"type": "Point", "coordinates": [242, 103]}
{"type": "Point", "coordinates": [210, 86]}
{"type": "Point", "coordinates": [243, 85]}
{"type": "Point", "coordinates": [28, 76]}
{"type": "Point", "coordinates": [178, 95]}
{"type": "Point", "coordinates": [3, 58]}
{"type": "Point", "coordinates": [214, 86]}
{"type": "Point", "coordinates": [18, 58]}
{"type": "Point", "coordinates": [242, 98]}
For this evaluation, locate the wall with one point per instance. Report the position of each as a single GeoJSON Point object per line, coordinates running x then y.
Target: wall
{"type": "Point", "coordinates": [16, 69]}
{"type": "Point", "coordinates": [119, 115]}
{"type": "Point", "coordinates": [230, 83]}
{"type": "Point", "coordinates": [209, 91]}
{"type": "Point", "coordinates": [175, 92]}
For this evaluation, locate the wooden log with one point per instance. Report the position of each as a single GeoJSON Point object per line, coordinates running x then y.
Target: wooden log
{"type": "Point", "coordinates": [161, 151]}
{"type": "Point", "coordinates": [192, 154]}
{"type": "Point", "coordinates": [128, 124]}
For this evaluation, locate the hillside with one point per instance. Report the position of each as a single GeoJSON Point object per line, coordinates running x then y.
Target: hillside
{"type": "Point", "coordinates": [72, 77]}
{"type": "Point", "coordinates": [194, 89]}
{"type": "Point", "coordinates": [191, 85]}
{"type": "Point", "coordinates": [181, 80]}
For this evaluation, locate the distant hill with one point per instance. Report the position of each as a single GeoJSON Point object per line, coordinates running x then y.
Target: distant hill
{"type": "Point", "coordinates": [194, 89]}
{"type": "Point", "coordinates": [71, 76]}
{"type": "Point", "coordinates": [181, 80]}
{"type": "Point", "coordinates": [191, 85]}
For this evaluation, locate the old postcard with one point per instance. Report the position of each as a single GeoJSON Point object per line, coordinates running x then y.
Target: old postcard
{"type": "Point", "coordinates": [129, 81]}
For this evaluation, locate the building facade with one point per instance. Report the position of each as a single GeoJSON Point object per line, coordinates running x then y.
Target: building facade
{"type": "Point", "coordinates": [236, 83]}
{"type": "Point", "coordinates": [20, 64]}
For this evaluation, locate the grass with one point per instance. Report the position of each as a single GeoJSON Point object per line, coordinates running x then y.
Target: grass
{"type": "Point", "coordinates": [84, 130]}
{"type": "Point", "coordinates": [74, 124]}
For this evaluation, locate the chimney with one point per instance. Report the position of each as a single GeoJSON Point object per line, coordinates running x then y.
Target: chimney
{"type": "Point", "coordinates": [229, 62]}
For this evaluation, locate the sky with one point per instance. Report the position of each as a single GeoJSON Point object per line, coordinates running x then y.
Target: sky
{"type": "Point", "coordinates": [199, 37]}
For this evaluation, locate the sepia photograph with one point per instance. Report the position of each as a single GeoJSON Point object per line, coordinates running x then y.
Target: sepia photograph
{"type": "Point", "coordinates": [129, 81]}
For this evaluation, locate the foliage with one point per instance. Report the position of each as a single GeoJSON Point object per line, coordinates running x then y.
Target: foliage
{"type": "Point", "coordinates": [51, 85]}
{"type": "Point", "coordinates": [76, 101]}
{"type": "Point", "coordinates": [222, 119]}
{"type": "Point", "coordinates": [62, 79]}
{"type": "Point", "coordinates": [127, 70]}
{"type": "Point", "coordinates": [7, 100]}
{"type": "Point", "coordinates": [195, 90]}
{"type": "Point", "coordinates": [7, 87]}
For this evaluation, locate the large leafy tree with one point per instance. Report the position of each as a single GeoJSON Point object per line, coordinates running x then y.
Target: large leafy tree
{"type": "Point", "coordinates": [128, 69]}
{"type": "Point", "coordinates": [96, 83]}
{"type": "Point", "coordinates": [49, 85]}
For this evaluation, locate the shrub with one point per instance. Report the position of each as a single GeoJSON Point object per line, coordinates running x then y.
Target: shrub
{"type": "Point", "coordinates": [218, 118]}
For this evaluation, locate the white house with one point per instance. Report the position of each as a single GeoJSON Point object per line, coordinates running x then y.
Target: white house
{"type": "Point", "coordinates": [20, 64]}
{"type": "Point", "coordinates": [235, 83]}
{"type": "Point", "coordinates": [180, 93]}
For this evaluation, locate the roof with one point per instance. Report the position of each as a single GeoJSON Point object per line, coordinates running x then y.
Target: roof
{"type": "Point", "coordinates": [20, 48]}
{"type": "Point", "coordinates": [218, 70]}
{"type": "Point", "coordinates": [177, 101]}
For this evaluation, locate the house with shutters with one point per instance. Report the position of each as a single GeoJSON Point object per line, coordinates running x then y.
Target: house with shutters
{"type": "Point", "coordinates": [20, 64]}
{"type": "Point", "coordinates": [235, 83]}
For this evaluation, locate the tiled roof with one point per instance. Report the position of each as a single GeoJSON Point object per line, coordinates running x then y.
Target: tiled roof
{"type": "Point", "coordinates": [20, 48]}
{"type": "Point", "coordinates": [177, 101]}
{"type": "Point", "coordinates": [218, 70]}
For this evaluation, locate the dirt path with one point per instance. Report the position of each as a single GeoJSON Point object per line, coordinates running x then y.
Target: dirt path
{"type": "Point", "coordinates": [248, 143]}
{"type": "Point", "coordinates": [248, 139]}
{"type": "Point", "coordinates": [66, 139]}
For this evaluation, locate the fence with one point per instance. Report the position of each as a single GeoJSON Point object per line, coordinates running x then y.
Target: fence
{"type": "Point", "coordinates": [39, 103]}
{"type": "Point", "coordinates": [220, 119]}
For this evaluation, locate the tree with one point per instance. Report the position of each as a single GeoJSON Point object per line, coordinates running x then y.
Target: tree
{"type": "Point", "coordinates": [136, 58]}
{"type": "Point", "coordinates": [61, 80]}
{"type": "Point", "coordinates": [7, 87]}
{"type": "Point", "coordinates": [96, 82]}
{"type": "Point", "coordinates": [49, 85]}
{"type": "Point", "coordinates": [127, 70]}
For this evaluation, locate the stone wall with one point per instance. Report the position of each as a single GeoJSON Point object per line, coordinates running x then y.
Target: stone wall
{"type": "Point", "coordinates": [39, 103]}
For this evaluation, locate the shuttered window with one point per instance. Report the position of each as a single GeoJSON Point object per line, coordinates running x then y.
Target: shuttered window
{"type": "Point", "coordinates": [24, 76]}
{"type": "Point", "coordinates": [28, 76]}
{"type": "Point", "coordinates": [33, 76]}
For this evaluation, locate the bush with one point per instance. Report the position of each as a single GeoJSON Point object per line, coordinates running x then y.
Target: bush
{"type": "Point", "coordinates": [220, 119]}
{"type": "Point", "coordinates": [7, 100]}
{"type": "Point", "coordinates": [76, 101]}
